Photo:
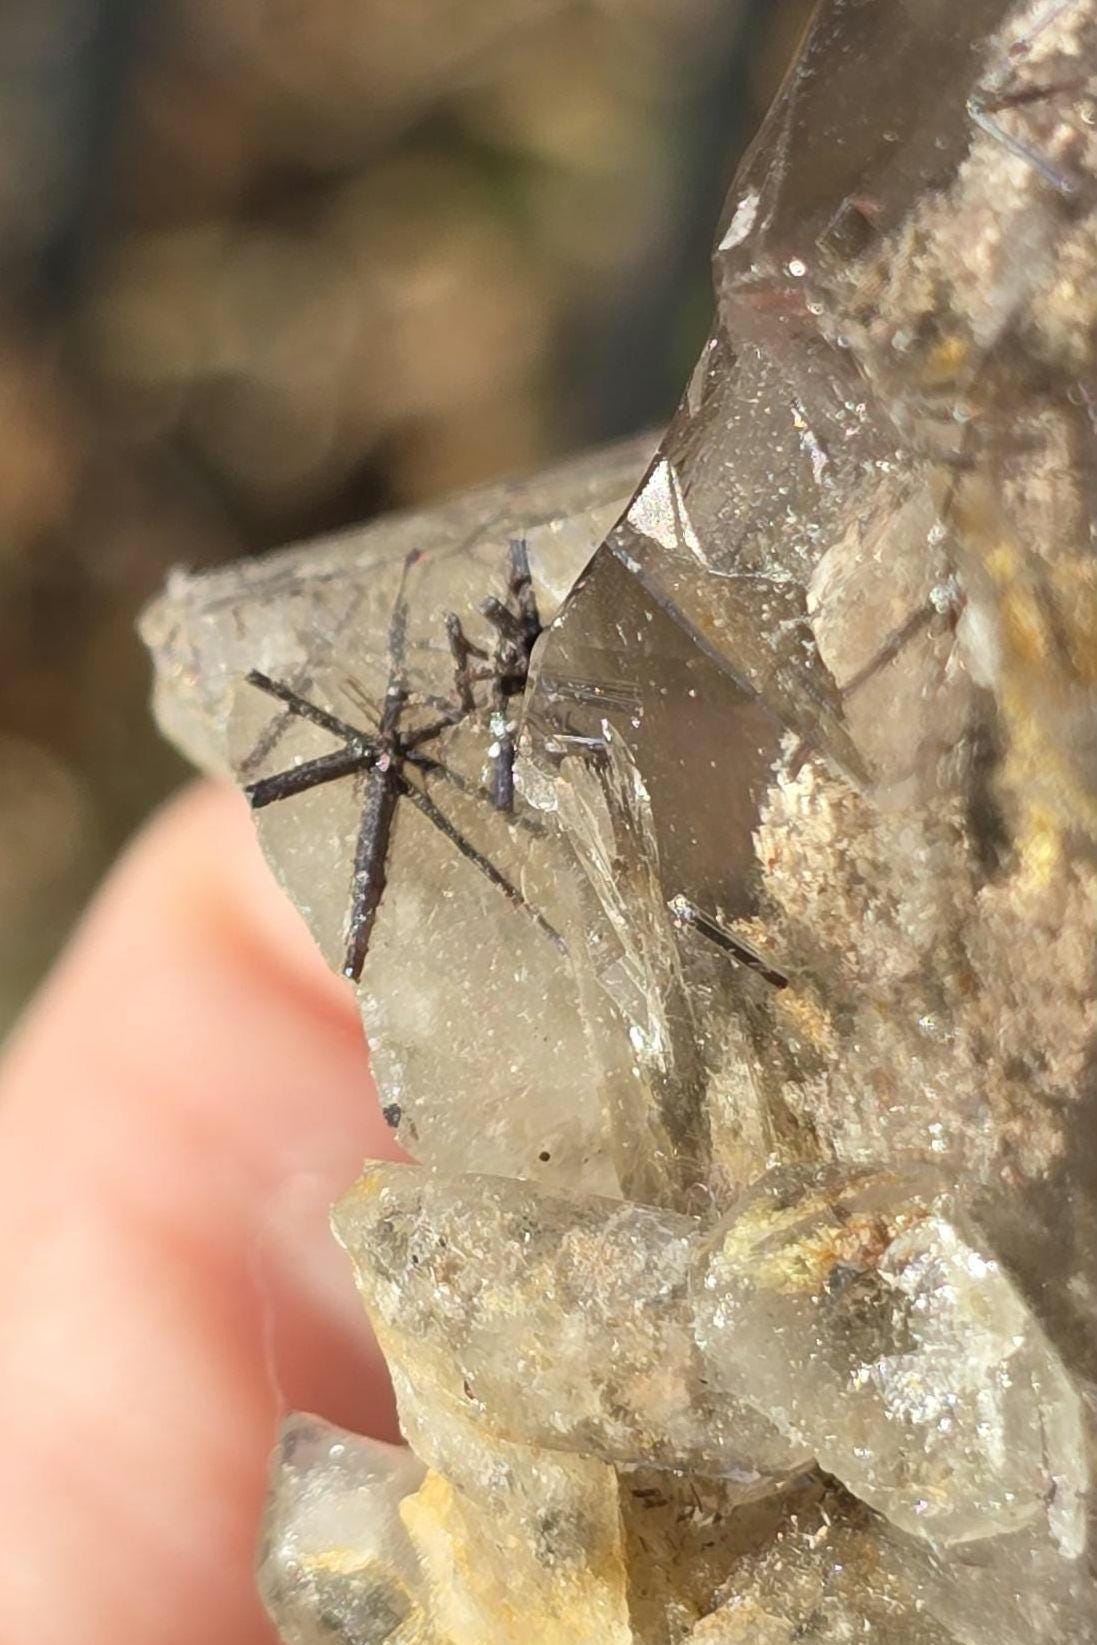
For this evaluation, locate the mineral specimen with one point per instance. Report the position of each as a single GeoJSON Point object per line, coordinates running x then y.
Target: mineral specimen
{"type": "Point", "coordinates": [717, 869]}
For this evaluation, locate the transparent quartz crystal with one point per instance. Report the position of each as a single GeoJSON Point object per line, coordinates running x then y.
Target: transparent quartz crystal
{"type": "Point", "coordinates": [507, 1296]}
{"type": "Point", "coordinates": [512, 1087]}
{"type": "Point", "coordinates": [739, 1012]}
{"type": "Point", "coordinates": [867, 1313]}
{"type": "Point", "coordinates": [334, 1556]}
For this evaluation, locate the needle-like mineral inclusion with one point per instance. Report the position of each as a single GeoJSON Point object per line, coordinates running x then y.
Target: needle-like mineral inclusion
{"type": "Point", "coordinates": [727, 949]}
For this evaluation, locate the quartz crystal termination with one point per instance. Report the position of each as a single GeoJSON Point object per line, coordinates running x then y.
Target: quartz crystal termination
{"type": "Point", "coordinates": [745, 1289]}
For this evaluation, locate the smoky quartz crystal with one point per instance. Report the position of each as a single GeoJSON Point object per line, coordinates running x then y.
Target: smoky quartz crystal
{"type": "Point", "coordinates": [710, 830]}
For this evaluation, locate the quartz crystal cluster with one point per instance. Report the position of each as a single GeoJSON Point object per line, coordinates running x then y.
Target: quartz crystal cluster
{"type": "Point", "coordinates": [711, 832]}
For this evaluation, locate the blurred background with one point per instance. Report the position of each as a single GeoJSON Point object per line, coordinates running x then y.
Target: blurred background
{"type": "Point", "coordinates": [268, 267]}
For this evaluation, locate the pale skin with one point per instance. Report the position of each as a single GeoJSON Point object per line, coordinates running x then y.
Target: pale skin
{"type": "Point", "coordinates": [181, 1104]}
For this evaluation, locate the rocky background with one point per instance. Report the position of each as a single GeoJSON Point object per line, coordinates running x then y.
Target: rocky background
{"type": "Point", "coordinates": [268, 267]}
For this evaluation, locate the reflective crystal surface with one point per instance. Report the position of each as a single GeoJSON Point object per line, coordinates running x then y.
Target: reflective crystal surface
{"type": "Point", "coordinates": [727, 949]}
{"type": "Point", "coordinates": [868, 1317]}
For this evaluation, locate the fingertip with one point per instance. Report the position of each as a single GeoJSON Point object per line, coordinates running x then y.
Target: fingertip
{"type": "Point", "coordinates": [181, 1104]}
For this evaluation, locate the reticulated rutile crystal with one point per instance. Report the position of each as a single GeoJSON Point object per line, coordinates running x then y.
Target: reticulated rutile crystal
{"type": "Point", "coordinates": [720, 867]}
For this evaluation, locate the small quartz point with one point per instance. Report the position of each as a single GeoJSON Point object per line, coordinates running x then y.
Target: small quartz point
{"type": "Point", "coordinates": [728, 950]}
{"type": "Point", "coordinates": [335, 1561]}
{"type": "Point", "coordinates": [867, 1316]}
{"type": "Point", "coordinates": [446, 1265]}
